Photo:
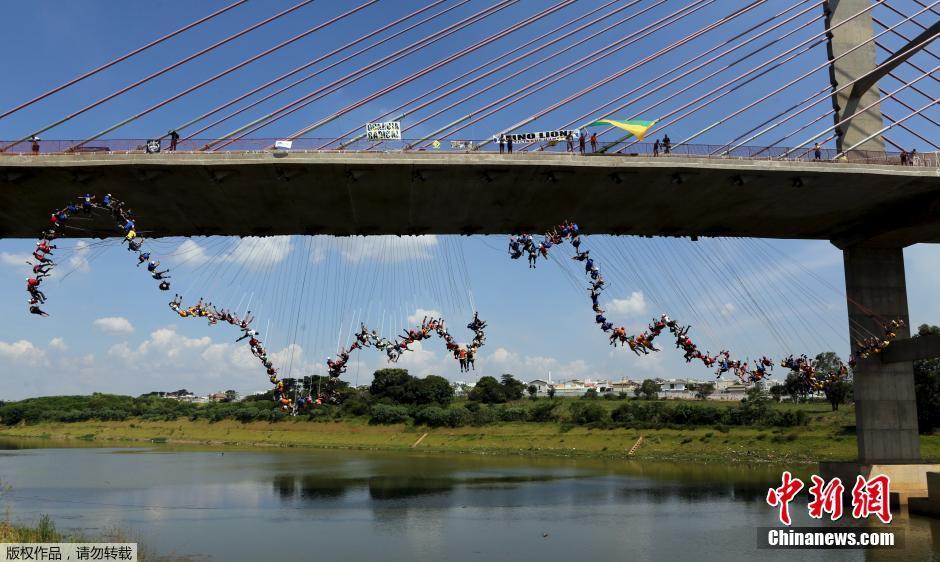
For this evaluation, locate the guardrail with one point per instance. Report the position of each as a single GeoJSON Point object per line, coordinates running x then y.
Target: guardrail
{"type": "Point", "coordinates": [721, 152]}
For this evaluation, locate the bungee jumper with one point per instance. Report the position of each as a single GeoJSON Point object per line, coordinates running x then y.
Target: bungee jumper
{"type": "Point", "coordinates": [642, 343]}
{"type": "Point", "coordinates": [42, 266]}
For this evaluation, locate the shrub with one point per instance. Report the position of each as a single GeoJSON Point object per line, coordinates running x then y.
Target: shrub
{"type": "Point", "coordinates": [483, 416]}
{"type": "Point", "coordinates": [508, 414]}
{"type": "Point", "coordinates": [587, 412]}
{"type": "Point", "coordinates": [387, 414]}
{"type": "Point", "coordinates": [543, 412]}
{"type": "Point", "coordinates": [431, 416]}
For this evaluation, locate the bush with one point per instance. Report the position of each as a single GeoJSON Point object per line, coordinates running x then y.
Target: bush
{"type": "Point", "coordinates": [385, 414]}
{"type": "Point", "coordinates": [583, 413]}
{"type": "Point", "coordinates": [483, 416]}
{"type": "Point", "coordinates": [508, 414]}
{"type": "Point", "coordinates": [543, 412]}
{"type": "Point", "coordinates": [431, 416]}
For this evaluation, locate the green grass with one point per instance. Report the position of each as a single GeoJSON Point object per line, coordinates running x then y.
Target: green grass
{"type": "Point", "coordinates": [828, 435]}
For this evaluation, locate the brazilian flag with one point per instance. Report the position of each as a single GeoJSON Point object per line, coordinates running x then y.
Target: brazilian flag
{"type": "Point", "coordinates": [637, 128]}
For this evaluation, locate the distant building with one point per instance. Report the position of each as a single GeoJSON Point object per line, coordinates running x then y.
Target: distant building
{"type": "Point", "coordinates": [570, 388]}
{"type": "Point", "coordinates": [541, 387]}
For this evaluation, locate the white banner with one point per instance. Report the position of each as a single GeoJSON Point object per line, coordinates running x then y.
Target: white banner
{"type": "Point", "coordinates": [538, 136]}
{"type": "Point", "coordinates": [285, 144]}
{"type": "Point", "coordinates": [384, 131]}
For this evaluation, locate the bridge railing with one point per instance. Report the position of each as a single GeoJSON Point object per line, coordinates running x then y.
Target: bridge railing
{"type": "Point", "coordinates": [644, 149]}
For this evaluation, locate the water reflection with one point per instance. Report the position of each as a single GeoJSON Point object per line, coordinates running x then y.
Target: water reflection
{"type": "Point", "coordinates": [390, 506]}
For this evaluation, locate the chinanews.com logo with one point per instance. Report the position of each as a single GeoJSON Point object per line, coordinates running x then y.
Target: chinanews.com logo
{"type": "Point", "coordinates": [870, 498]}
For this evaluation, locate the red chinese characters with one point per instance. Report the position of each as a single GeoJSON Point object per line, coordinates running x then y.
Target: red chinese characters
{"type": "Point", "coordinates": [782, 496]}
{"type": "Point", "coordinates": [870, 497]}
{"type": "Point", "coordinates": [826, 498]}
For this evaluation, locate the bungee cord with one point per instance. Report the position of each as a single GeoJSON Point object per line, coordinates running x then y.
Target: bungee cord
{"type": "Point", "coordinates": [643, 343]}
{"type": "Point", "coordinates": [287, 396]}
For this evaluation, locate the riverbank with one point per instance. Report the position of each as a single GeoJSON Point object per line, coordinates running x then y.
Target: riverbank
{"type": "Point", "coordinates": [805, 444]}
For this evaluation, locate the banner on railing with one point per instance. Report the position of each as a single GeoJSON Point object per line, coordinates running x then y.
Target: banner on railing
{"type": "Point", "coordinates": [153, 146]}
{"type": "Point", "coordinates": [283, 144]}
{"type": "Point", "coordinates": [384, 131]}
{"type": "Point", "coordinates": [538, 136]}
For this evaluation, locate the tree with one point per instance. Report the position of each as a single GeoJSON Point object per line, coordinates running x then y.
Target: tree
{"type": "Point", "coordinates": [648, 389]}
{"type": "Point", "coordinates": [777, 391]}
{"type": "Point", "coordinates": [532, 390]}
{"type": "Point", "coordinates": [927, 386]}
{"type": "Point", "coordinates": [796, 387]}
{"type": "Point", "coordinates": [703, 391]}
{"type": "Point", "coordinates": [390, 383]}
{"type": "Point", "coordinates": [828, 362]}
{"type": "Point", "coordinates": [590, 394]}
{"type": "Point", "coordinates": [512, 388]}
{"type": "Point", "coordinates": [551, 392]}
{"type": "Point", "coordinates": [756, 403]}
{"type": "Point", "coordinates": [231, 396]}
{"type": "Point", "coordinates": [837, 392]}
{"type": "Point", "coordinates": [432, 389]}
{"type": "Point", "coordinates": [488, 390]}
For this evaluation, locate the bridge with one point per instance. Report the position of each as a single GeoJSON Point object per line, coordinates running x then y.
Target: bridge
{"type": "Point", "coordinates": [268, 193]}
{"type": "Point", "coordinates": [856, 196]}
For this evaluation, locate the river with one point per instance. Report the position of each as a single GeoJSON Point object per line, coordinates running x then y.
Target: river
{"type": "Point", "coordinates": [290, 504]}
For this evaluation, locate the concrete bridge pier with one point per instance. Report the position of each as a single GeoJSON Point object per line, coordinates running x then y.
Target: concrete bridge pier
{"type": "Point", "coordinates": [885, 405]}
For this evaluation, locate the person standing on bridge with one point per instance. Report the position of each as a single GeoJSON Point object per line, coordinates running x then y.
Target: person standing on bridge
{"type": "Point", "coordinates": [569, 140]}
{"type": "Point", "coordinates": [174, 138]}
{"type": "Point", "coordinates": [817, 152]}
{"type": "Point", "coordinates": [581, 141]}
{"type": "Point", "coordinates": [509, 144]}
{"type": "Point", "coordinates": [593, 142]}
{"type": "Point", "coordinates": [912, 159]}
{"type": "Point", "coordinates": [502, 143]}
{"type": "Point", "coordinates": [656, 148]}
{"type": "Point", "coordinates": [34, 140]}
{"type": "Point", "coordinates": [667, 144]}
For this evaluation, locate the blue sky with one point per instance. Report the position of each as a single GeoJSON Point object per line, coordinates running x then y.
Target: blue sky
{"type": "Point", "coordinates": [111, 330]}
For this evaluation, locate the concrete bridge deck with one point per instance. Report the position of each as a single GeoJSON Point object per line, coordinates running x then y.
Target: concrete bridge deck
{"type": "Point", "coordinates": [177, 194]}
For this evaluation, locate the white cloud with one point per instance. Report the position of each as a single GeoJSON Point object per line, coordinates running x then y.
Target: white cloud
{"type": "Point", "coordinates": [387, 249]}
{"type": "Point", "coordinates": [251, 251]}
{"type": "Point", "coordinates": [21, 351]}
{"type": "Point", "coordinates": [420, 314]}
{"type": "Point", "coordinates": [635, 305]}
{"type": "Point", "coordinates": [13, 260]}
{"type": "Point", "coordinates": [528, 367]}
{"type": "Point", "coordinates": [78, 261]}
{"type": "Point", "coordinates": [57, 344]}
{"type": "Point", "coordinates": [114, 325]}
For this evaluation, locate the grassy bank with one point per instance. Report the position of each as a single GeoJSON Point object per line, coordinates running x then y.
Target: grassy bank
{"type": "Point", "coordinates": [827, 436]}
{"type": "Point", "coordinates": [44, 531]}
